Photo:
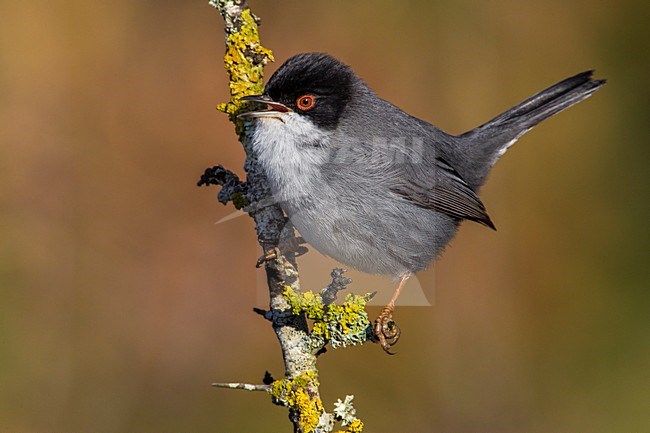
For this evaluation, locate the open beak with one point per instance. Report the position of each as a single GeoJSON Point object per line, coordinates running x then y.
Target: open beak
{"type": "Point", "coordinates": [274, 109]}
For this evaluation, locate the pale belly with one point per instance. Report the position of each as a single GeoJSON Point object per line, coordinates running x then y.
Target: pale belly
{"type": "Point", "coordinates": [389, 241]}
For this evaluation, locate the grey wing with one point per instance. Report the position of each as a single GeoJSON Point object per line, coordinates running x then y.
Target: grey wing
{"type": "Point", "coordinates": [443, 190]}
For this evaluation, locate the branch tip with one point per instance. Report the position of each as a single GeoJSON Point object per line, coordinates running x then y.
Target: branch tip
{"type": "Point", "coordinates": [339, 282]}
{"type": "Point", "coordinates": [244, 386]}
{"type": "Point", "coordinates": [267, 314]}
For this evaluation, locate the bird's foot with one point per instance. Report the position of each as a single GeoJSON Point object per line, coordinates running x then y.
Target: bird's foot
{"type": "Point", "coordinates": [386, 330]}
{"type": "Point", "coordinates": [293, 244]}
{"type": "Point", "coordinates": [271, 254]}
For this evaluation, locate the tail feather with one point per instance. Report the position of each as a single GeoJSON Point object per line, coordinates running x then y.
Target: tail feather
{"type": "Point", "coordinates": [485, 144]}
{"type": "Point", "coordinates": [556, 98]}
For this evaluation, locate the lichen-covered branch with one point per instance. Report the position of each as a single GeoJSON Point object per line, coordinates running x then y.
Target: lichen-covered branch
{"type": "Point", "coordinates": [290, 308]}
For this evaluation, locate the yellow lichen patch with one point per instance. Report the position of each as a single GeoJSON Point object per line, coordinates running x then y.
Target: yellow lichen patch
{"type": "Point", "coordinates": [355, 426]}
{"type": "Point", "coordinates": [305, 302]}
{"type": "Point", "coordinates": [348, 313]}
{"type": "Point", "coordinates": [294, 393]}
{"type": "Point", "coordinates": [244, 60]}
{"type": "Point", "coordinates": [347, 324]}
{"type": "Point", "coordinates": [341, 325]}
{"type": "Point", "coordinates": [320, 328]}
{"type": "Point", "coordinates": [309, 408]}
{"type": "Point", "coordinates": [284, 389]}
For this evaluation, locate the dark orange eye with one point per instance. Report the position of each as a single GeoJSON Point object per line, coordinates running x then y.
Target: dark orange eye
{"type": "Point", "coordinates": [306, 102]}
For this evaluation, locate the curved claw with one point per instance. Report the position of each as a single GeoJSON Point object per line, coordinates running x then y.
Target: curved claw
{"type": "Point", "coordinates": [386, 330]}
{"type": "Point", "coordinates": [271, 254]}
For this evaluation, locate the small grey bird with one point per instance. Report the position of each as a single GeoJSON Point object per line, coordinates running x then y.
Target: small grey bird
{"type": "Point", "coordinates": [371, 186]}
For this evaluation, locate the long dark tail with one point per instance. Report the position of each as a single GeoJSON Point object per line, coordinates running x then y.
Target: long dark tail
{"type": "Point", "coordinates": [485, 144]}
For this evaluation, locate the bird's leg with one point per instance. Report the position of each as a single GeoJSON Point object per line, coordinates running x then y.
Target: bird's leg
{"type": "Point", "coordinates": [292, 244]}
{"type": "Point", "coordinates": [386, 330]}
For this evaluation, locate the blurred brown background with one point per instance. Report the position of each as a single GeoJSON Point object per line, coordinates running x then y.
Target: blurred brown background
{"type": "Point", "coordinates": [121, 300]}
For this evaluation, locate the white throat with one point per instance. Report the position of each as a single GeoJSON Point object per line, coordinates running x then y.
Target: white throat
{"type": "Point", "coordinates": [290, 150]}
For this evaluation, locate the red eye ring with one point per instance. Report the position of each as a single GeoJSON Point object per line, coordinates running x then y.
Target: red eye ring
{"type": "Point", "coordinates": [306, 102]}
